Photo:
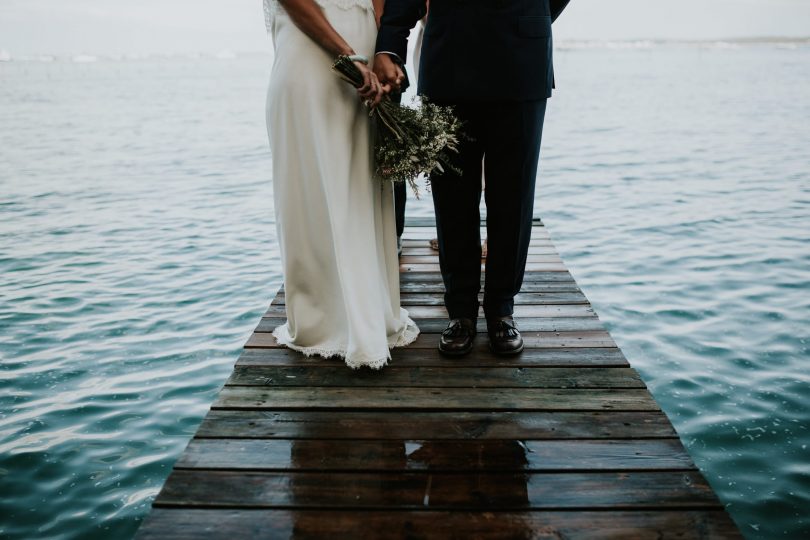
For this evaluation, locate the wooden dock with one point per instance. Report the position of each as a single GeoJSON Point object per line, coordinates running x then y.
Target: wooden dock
{"type": "Point", "coordinates": [562, 441]}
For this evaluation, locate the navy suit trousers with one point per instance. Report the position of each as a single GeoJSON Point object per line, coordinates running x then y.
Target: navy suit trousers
{"type": "Point", "coordinates": [504, 139]}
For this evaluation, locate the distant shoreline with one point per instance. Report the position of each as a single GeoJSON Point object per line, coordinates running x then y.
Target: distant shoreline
{"type": "Point", "coordinates": [569, 44]}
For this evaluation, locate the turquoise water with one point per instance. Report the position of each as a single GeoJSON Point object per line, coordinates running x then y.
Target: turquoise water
{"type": "Point", "coordinates": [137, 252]}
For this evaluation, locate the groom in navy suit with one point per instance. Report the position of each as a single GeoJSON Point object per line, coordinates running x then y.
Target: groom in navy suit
{"type": "Point", "coordinates": [492, 61]}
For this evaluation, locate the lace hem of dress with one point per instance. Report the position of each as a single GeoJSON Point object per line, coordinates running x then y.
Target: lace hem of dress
{"type": "Point", "coordinates": [272, 7]}
{"type": "Point", "coordinates": [407, 336]}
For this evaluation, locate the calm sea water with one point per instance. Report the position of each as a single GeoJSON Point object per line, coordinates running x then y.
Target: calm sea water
{"type": "Point", "coordinates": [137, 252]}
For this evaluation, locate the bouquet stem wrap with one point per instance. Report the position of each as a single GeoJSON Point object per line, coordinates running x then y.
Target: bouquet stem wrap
{"type": "Point", "coordinates": [411, 141]}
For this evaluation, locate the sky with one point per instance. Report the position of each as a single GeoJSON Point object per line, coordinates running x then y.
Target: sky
{"type": "Point", "coordinates": [179, 26]}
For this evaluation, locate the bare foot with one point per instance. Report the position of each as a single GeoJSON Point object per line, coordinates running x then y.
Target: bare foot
{"type": "Point", "coordinates": [434, 244]}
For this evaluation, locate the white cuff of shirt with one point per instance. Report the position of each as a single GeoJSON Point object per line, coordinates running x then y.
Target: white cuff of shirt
{"type": "Point", "coordinates": [395, 55]}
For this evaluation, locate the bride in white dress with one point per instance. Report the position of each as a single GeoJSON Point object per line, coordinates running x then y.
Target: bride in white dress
{"type": "Point", "coordinates": [335, 222]}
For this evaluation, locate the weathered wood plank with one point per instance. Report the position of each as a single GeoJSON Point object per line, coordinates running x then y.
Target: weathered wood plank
{"type": "Point", "coordinates": [529, 277]}
{"type": "Point", "coordinates": [482, 357]}
{"type": "Point", "coordinates": [542, 285]}
{"type": "Point", "coordinates": [530, 267]}
{"type": "Point", "coordinates": [428, 233]}
{"type": "Point", "coordinates": [440, 491]}
{"type": "Point", "coordinates": [526, 324]}
{"type": "Point", "coordinates": [431, 222]}
{"type": "Point", "coordinates": [437, 299]}
{"type": "Point", "coordinates": [194, 524]}
{"type": "Point", "coordinates": [471, 399]}
{"type": "Point", "coordinates": [439, 312]}
{"type": "Point", "coordinates": [425, 235]}
{"type": "Point", "coordinates": [425, 241]}
{"type": "Point", "coordinates": [412, 222]}
{"type": "Point", "coordinates": [447, 377]}
{"type": "Point", "coordinates": [540, 340]}
{"type": "Point", "coordinates": [426, 250]}
{"type": "Point", "coordinates": [430, 455]}
{"type": "Point", "coordinates": [529, 287]}
{"type": "Point", "coordinates": [475, 425]}
{"type": "Point", "coordinates": [535, 340]}
{"type": "Point", "coordinates": [433, 259]}
{"type": "Point", "coordinates": [557, 310]}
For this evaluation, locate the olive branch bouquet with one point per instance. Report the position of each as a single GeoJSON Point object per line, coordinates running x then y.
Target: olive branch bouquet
{"type": "Point", "coordinates": [410, 140]}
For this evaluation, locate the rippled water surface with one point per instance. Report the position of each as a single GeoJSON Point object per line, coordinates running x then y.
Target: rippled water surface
{"type": "Point", "coordinates": [137, 252]}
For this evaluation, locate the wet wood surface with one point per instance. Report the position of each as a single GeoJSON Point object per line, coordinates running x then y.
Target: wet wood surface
{"type": "Point", "coordinates": [318, 524]}
{"type": "Point", "coordinates": [561, 441]}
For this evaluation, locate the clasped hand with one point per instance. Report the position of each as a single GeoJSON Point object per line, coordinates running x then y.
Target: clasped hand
{"type": "Point", "coordinates": [385, 78]}
{"type": "Point", "coordinates": [371, 91]}
{"type": "Point", "coordinates": [388, 72]}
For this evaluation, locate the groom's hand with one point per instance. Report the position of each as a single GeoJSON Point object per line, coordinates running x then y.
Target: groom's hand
{"type": "Point", "coordinates": [388, 72]}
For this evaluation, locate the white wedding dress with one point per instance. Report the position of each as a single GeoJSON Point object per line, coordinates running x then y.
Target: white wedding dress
{"type": "Point", "coordinates": [335, 222]}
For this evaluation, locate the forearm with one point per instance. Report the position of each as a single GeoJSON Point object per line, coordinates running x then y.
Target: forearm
{"type": "Point", "coordinates": [379, 5]}
{"type": "Point", "coordinates": [309, 17]}
{"type": "Point", "coordinates": [399, 17]}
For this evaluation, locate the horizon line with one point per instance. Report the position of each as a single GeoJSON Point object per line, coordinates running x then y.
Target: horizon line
{"type": "Point", "coordinates": [7, 54]}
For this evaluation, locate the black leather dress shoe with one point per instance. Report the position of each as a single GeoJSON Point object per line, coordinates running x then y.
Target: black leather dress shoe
{"type": "Point", "coordinates": [457, 338]}
{"type": "Point", "coordinates": [504, 337]}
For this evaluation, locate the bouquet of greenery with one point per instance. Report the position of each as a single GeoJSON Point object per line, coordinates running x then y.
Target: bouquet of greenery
{"type": "Point", "coordinates": [410, 140]}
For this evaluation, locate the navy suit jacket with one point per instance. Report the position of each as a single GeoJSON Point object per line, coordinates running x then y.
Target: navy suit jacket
{"type": "Point", "coordinates": [477, 50]}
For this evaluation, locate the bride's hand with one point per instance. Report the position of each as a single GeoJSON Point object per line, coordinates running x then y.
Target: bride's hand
{"type": "Point", "coordinates": [371, 90]}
